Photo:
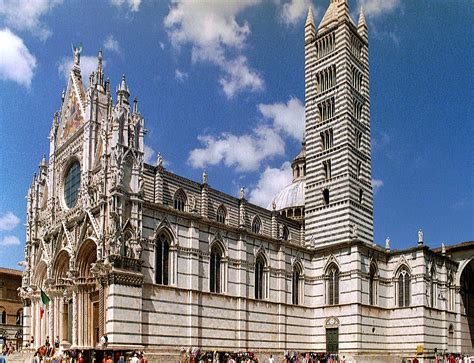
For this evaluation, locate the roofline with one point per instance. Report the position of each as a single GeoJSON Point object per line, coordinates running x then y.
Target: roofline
{"type": "Point", "coordinates": [11, 271]}
{"type": "Point", "coordinates": [456, 247]}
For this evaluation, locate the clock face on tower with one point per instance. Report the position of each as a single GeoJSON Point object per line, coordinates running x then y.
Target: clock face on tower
{"type": "Point", "coordinates": [72, 182]}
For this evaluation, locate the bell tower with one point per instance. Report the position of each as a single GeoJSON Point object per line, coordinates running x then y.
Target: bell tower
{"type": "Point", "coordinates": [338, 195]}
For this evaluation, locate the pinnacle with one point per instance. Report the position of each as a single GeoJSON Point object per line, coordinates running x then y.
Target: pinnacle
{"type": "Point", "coordinates": [361, 18]}
{"type": "Point", "coordinates": [310, 17]}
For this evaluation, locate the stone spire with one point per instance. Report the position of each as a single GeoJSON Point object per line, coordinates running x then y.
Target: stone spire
{"type": "Point", "coordinates": [362, 25]}
{"type": "Point", "coordinates": [338, 10]}
{"type": "Point", "coordinates": [309, 27]}
{"type": "Point", "coordinates": [123, 92]}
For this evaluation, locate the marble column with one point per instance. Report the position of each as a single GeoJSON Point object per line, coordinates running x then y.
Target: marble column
{"type": "Point", "coordinates": [74, 318]}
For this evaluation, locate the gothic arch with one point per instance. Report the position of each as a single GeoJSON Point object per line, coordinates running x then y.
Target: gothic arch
{"type": "Point", "coordinates": [219, 244]}
{"type": "Point", "coordinates": [40, 273]}
{"type": "Point", "coordinates": [61, 264]}
{"type": "Point", "coordinates": [460, 270]}
{"type": "Point", "coordinates": [85, 257]}
{"type": "Point", "coordinates": [373, 267]}
{"type": "Point", "coordinates": [331, 262]}
{"type": "Point", "coordinates": [260, 251]}
{"type": "Point", "coordinates": [402, 264]}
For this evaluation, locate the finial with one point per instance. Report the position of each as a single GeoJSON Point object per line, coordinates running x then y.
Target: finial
{"type": "Point", "coordinates": [99, 57]}
{"type": "Point", "coordinates": [135, 105]}
{"type": "Point", "coordinates": [204, 177]}
{"type": "Point", "coordinates": [63, 96]}
{"type": "Point", "coordinates": [274, 206]}
{"type": "Point", "coordinates": [420, 237]}
{"type": "Point", "coordinates": [310, 17]}
{"type": "Point", "coordinates": [242, 193]}
{"type": "Point", "coordinates": [443, 249]}
{"type": "Point", "coordinates": [387, 244]}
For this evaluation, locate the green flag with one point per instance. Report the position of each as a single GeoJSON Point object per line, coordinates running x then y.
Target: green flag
{"type": "Point", "coordinates": [44, 301]}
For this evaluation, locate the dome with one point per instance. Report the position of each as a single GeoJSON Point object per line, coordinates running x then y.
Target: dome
{"type": "Point", "coordinates": [290, 196]}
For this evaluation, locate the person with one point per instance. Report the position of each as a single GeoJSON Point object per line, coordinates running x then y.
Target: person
{"type": "Point", "coordinates": [80, 359]}
{"type": "Point", "coordinates": [57, 342]}
{"type": "Point", "coordinates": [415, 360]}
{"type": "Point", "coordinates": [109, 359]}
{"type": "Point", "coordinates": [47, 344]}
{"type": "Point", "coordinates": [32, 342]}
{"type": "Point", "coordinates": [135, 359]}
{"type": "Point", "coordinates": [271, 360]}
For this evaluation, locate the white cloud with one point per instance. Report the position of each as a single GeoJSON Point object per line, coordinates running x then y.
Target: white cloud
{"type": "Point", "coordinates": [271, 181]}
{"type": "Point", "coordinates": [244, 152]}
{"type": "Point", "coordinates": [112, 44]}
{"type": "Point", "coordinates": [16, 62]}
{"type": "Point", "coordinates": [88, 65]}
{"type": "Point", "coordinates": [134, 5]}
{"type": "Point", "coordinates": [216, 37]}
{"type": "Point", "coordinates": [376, 185]}
{"type": "Point", "coordinates": [10, 241]}
{"type": "Point", "coordinates": [288, 117]}
{"type": "Point", "coordinates": [180, 76]}
{"type": "Point", "coordinates": [8, 222]}
{"type": "Point", "coordinates": [293, 11]}
{"type": "Point", "coordinates": [149, 154]}
{"type": "Point", "coordinates": [374, 8]}
{"type": "Point", "coordinates": [25, 15]}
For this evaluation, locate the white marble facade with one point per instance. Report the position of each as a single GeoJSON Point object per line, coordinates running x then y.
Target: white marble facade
{"type": "Point", "coordinates": [159, 262]}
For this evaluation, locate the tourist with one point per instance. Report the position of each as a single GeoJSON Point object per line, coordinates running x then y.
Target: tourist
{"type": "Point", "coordinates": [47, 344]}
{"type": "Point", "coordinates": [57, 342]}
{"type": "Point", "coordinates": [135, 359]}
{"type": "Point", "coordinates": [271, 360]}
{"type": "Point", "coordinates": [109, 359]}
{"type": "Point", "coordinates": [80, 359]}
{"type": "Point", "coordinates": [32, 342]}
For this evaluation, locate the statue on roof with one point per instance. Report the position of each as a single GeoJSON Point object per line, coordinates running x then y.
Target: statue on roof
{"type": "Point", "coordinates": [77, 53]}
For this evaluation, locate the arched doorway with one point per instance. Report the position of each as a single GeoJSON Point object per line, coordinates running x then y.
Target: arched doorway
{"type": "Point", "coordinates": [466, 284]}
{"type": "Point", "coordinates": [86, 296]}
{"type": "Point", "coordinates": [40, 319]}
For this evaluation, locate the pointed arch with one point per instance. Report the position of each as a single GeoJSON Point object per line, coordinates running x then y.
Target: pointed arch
{"type": "Point", "coordinates": [221, 214]}
{"type": "Point", "coordinates": [297, 282]}
{"type": "Point", "coordinates": [433, 285]}
{"type": "Point", "coordinates": [180, 200]}
{"type": "Point", "coordinates": [218, 261]}
{"type": "Point", "coordinates": [40, 273]}
{"type": "Point", "coordinates": [330, 261]}
{"type": "Point", "coordinates": [257, 225]}
{"type": "Point", "coordinates": [403, 284]}
{"type": "Point", "coordinates": [61, 265]}
{"type": "Point", "coordinates": [261, 274]}
{"type": "Point", "coordinates": [332, 283]}
{"type": "Point", "coordinates": [373, 282]}
{"type": "Point", "coordinates": [86, 255]}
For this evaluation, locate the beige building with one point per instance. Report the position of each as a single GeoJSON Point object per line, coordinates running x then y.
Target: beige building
{"type": "Point", "coordinates": [11, 307]}
{"type": "Point", "coordinates": [159, 262]}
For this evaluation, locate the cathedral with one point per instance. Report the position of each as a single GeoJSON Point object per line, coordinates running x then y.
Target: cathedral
{"type": "Point", "coordinates": [160, 263]}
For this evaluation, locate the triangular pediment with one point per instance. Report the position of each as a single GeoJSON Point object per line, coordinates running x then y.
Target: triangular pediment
{"type": "Point", "coordinates": [73, 110]}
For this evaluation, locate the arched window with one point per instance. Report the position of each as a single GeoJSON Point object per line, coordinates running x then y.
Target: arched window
{"type": "Point", "coordinates": [179, 201]}
{"type": "Point", "coordinates": [4, 317]}
{"type": "Point", "coordinates": [215, 269]}
{"type": "Point", "coordinates": [372, 285]}
{"type": "Point", "coordinates": [19, 317]}
{"type": "Point", "coordinates": [297, 285]}
{"type": "Point", "coordinates": [285, 233]}
{"type": "Point", "coordinates": [432, 287]}
{"type": "Point", "coordinates": [256, 225]}
{"type": "Point", "coordinates": [221, 214]}
{"type": "Point", "coordinates": [162, 259]}
{"type": "Point", "coordinates": [333, 285]}
{"type": "Point", "coordinates": [404, 281]}
{"type": "Point", "coordinates": [260, 278]}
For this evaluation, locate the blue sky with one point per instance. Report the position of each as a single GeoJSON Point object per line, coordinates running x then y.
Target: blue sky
{"type": "Point", "coordinates": [220, 85]}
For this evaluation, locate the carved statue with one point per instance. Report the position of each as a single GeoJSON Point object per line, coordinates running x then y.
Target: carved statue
{"type": "Point", "coordinates": [353, 230]}
{"type": "Point", "coordinates": [274, 206]}
{"type": "Point", "coordinates": [159, 160]}
{"type": "Point", "coordinates": [420, 236]}
{"type": "Point", "coordinates": [242, 193]}
{"type": "Point", "coordinates": [387, 243]}
{"type": "Point", "coordinates": [77, 53]}
{"type": "Point", "coordinates": [204, 177]}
